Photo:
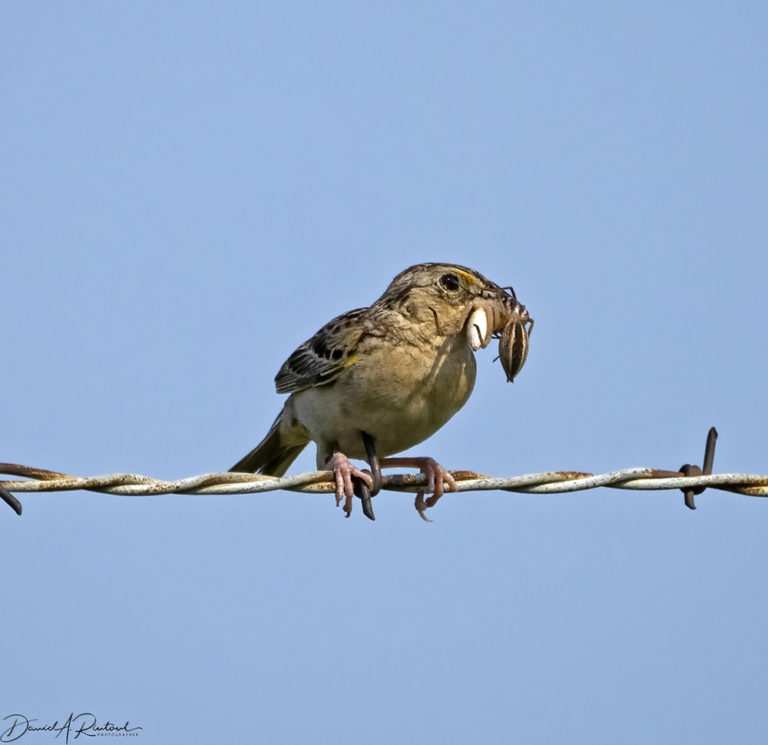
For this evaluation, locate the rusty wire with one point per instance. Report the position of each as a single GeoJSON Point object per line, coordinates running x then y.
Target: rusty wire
{"type": "Point", "coordinates": [690, 479]}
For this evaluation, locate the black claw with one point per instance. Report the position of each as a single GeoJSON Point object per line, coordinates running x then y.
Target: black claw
{"type": "Point", "coordinates": [373, 461]}
{"type": "Point", "coordinates": [689, 470]}
{"type": "Point", "coordinates": [362, 491]}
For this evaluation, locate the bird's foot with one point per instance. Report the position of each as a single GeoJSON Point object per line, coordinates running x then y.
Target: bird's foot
{"type": "Point", "coordinates": [438, 479]}
{"type": "Point", "coordinates": [343, 473]}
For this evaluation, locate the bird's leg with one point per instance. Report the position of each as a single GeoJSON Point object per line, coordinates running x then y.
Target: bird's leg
{"type": "Point", "coordinates": [373, 461]}
{"type": "Point", "coordinates": [437, 479]}
{"type": "Point", "coordinates": [343, 473]}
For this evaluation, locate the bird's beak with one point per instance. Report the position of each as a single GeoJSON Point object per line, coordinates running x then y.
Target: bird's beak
{"type": "Point", "coordinates": [497, 312]}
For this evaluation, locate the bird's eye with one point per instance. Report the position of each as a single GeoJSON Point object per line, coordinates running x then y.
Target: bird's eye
{"type": "Point", "coordinates": [449, 282]}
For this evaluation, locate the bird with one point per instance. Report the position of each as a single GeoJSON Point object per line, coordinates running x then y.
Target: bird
{"type": "Point", "coordinates": [379, 380]}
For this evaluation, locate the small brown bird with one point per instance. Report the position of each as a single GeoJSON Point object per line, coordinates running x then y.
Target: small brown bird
{"type": "Point", "coordinates": [378, 380]}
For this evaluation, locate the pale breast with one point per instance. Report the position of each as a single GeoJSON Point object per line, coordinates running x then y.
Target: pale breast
{"type": "Point", "coordinates": [396, 393]}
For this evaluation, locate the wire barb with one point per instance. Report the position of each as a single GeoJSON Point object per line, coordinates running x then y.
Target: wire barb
{"type": "Point", "coordinates": [10, 500]}
{"type": "Point", "coordinates": [689, 470]}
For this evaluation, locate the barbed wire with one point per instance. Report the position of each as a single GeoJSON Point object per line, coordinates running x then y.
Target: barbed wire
{"type": "Point", "coordinates": [692, 480]}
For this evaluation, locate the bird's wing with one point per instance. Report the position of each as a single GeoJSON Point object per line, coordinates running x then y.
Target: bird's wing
{"type": "Point", "coordinates": [325, 356]}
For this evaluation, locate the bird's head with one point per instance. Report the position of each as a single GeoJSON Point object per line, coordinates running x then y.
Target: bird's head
{"type": "Point", "coordinates": [451, 299]}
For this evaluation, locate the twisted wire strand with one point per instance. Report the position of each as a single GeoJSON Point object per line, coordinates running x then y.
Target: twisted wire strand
{"type": "Point", "coordinates": [549, 482]}
{"type": "Point", "coordinates": [691, 480]}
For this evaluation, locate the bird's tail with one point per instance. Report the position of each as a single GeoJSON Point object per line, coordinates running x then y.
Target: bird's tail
{"type": "Point", "coordinates": [275, 452]}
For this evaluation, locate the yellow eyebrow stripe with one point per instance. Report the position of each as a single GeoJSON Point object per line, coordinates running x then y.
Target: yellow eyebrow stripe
{"type": "Point", "coordinates": [472, 280]}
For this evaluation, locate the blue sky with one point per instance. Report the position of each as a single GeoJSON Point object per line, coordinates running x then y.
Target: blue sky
{"type": "Point", "coordinates": [191, 190]}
